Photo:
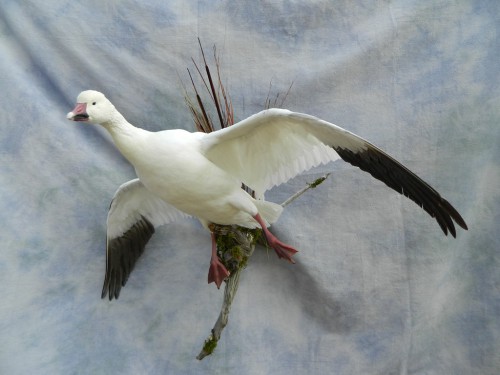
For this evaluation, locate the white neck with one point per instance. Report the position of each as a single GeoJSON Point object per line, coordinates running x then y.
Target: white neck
{"type": "Point", "coordinates": [126, 136]}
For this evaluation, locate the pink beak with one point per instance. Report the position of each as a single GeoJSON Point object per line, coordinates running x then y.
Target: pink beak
{"type": "Point", "coordinates": [79, 113]}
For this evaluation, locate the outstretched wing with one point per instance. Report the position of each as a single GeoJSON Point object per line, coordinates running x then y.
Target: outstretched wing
{"type": "Point", "coordinates": [275, 145]}
{"type": "Point", "coordinates": [133, 215]}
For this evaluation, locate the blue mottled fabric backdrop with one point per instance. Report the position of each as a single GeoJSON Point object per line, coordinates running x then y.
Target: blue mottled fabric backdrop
{"type": "Point", "coordinates": [377, 288]}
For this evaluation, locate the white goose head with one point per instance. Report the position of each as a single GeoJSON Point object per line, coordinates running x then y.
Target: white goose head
{"type": "Point", "coordinates": [92, 106]}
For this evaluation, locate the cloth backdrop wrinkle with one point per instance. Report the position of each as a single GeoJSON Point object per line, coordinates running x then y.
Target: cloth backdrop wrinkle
{"type": "Point", "coordinates": [377, 288]}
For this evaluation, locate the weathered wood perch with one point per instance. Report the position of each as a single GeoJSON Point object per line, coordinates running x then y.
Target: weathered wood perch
{"type": "Point", "coordinates": [235, 246]}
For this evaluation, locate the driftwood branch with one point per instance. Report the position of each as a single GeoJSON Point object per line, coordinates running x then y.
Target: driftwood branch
{"type": "Point", "coordinates": [310, 185]}
{"type": "Point", "coordinates": [235, 246]}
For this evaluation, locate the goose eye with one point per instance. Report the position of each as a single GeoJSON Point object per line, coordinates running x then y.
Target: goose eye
{"type": "Point", "coordinates": [94, 103]}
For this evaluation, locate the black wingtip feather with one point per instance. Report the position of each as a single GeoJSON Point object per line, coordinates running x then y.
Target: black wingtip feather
{"type": "Point", "coordinates": [122, 254]}
{"type": "Point", "coordinates": [395, 175]}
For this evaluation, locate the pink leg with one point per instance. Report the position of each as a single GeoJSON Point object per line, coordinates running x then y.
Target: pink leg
{"type": "Point", "coordinates": [282, 250]}
{"type": "Point", "coordinates": [217, 272]}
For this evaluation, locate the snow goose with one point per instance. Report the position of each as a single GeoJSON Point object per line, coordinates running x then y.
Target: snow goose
{"type": "Point", "coordinates": [182, 173]}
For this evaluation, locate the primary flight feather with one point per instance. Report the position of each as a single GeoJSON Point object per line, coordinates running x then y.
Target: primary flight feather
{"type": "Point", "coordinates": [200, 174]}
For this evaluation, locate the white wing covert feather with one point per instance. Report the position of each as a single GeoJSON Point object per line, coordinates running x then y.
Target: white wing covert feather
{"type": "Point", "coordinates": [273, 146]}
{"type": "Point", "coordinates": [131, 201]}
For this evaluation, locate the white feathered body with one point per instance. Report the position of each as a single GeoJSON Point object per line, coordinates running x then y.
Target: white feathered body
{"type": "Point", "coordinates": [172, 166]}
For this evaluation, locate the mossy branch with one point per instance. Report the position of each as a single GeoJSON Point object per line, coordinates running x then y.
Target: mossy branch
{"type": "Point", "coordinates": [235, 246]}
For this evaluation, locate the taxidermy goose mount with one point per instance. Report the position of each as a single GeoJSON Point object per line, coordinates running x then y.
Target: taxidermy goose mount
{"type": "Point", "coordinates": [200, 174]}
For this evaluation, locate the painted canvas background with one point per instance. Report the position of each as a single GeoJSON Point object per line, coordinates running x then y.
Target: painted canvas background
{"type": "Point", "coordinates": [377, 288]}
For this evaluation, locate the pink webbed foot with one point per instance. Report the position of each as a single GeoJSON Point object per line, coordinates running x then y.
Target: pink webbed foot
{"type": "Point", "coordinates": [217, 272]}
{"type": "Point", "coordinates": [282, 250]}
